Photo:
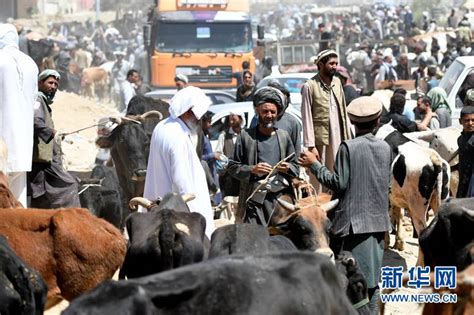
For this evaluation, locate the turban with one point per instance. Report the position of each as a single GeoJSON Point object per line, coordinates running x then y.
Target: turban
{"type": "Point", "coordinates": [323, 54]}
{"type": "Point", "coordinates": [181, 77]}
{"type": "Point", "coordinates": [8, 36]}
{"type": "Point", "coordinates": [48, 73]}
{"type": "Point", "coordinates": [190, 97]}
{"type": "Point", "coordinates": [272, 95]}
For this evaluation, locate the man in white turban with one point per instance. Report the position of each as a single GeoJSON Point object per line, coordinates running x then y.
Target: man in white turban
{"type": "Point", "coordinates": [18, 88]}
{"type": "Point", "coordinates": [173, 164]}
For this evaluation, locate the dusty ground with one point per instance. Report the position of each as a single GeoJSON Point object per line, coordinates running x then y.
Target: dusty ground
{"type": "Point", "coordinates": [72, 112]}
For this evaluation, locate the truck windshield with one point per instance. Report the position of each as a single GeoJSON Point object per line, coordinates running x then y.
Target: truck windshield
{"type": "Point", "coordinates": [451, 75]}
{"type": "Point", "coordinates": [203, 37]}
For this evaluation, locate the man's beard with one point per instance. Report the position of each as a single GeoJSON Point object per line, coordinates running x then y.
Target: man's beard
{"type": "Point", "coordinates": [266, 123]}
{"type": "Point", "coordinates": [50, 95]}
{"type": "Point", "coordinates": [193, 125]}
{"type": "Point", "coordinates": [331, 72]}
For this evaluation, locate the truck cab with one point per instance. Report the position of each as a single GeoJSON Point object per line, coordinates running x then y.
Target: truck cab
{"type": "Point", "coordinates": [453, 80]}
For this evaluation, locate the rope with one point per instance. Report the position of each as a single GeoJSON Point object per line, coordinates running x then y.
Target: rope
{"type": "Point", "coordinates": [87, 187]}
{"type": "Point", "coordinates": [361, 303]}
{"type": "Point", "coordinates": [265, 181]}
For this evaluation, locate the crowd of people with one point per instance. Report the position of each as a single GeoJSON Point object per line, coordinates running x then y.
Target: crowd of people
{"type": "Point", "coordinates": [337, 145]}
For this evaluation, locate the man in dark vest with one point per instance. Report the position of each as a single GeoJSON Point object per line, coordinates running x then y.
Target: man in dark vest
{"type": "Point", "coordinates": [49, 185]}
{"type": "Point", "coordinates": [360, 181]}
{"type": "Point", "coordinates": [257, 151]}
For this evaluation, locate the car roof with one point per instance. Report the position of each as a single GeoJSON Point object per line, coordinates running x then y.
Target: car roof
{"type": "Point", "coordinates": [243, 107]}
{"type": "Point", "coordinates": [307, 75]}
{"type": "Point", "coordinates": [467, 60]}
{"type": "Point", "coordinates": [173, 91]}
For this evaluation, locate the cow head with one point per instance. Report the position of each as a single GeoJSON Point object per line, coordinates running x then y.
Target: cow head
{"type": "Point", "coordinates": [307, 226]}
{"type": "Point", "coordinates": [353, 279]}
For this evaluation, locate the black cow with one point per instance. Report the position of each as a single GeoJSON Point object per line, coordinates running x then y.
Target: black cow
{"type": "Point", "coordinates": [283, 283]}
{"type": "Point", "coordinates": [449, 239]}
{"type": "Point", "coordinates": [101, 195]}
{"type": "Point", "coordinates": [22, 289]}
{"type": "Point", "coordinates": [354, 282]}
{"type": "Point", "coordinates": [166, 237]}
{"type": "Point", "coordinates": [39, 50]}
{"type": "Point", "coordinates": [130, 145]}
{"type": "Point", "coordinates": [246, 239]}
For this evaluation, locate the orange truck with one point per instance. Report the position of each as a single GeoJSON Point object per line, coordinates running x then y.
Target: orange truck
{"type": "Point", "coordinates": [207, 40]}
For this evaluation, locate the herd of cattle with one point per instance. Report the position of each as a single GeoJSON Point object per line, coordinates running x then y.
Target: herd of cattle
{"type": "Point", "coordinates": [168, 265]}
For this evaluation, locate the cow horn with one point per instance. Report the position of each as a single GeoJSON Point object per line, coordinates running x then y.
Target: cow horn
{"type": "Point", "coordinates": [287, 205]}
{"type": "Point", "coordinates": [140, 201]}
{"type": "Point", "coordinates": [123, 120]}
{"type": "Point", "coordinates": [188, 197]}
{"type": "Point", "coordinates": [152, 113]}
{"type": "Point", "coordinates": [330, 205]}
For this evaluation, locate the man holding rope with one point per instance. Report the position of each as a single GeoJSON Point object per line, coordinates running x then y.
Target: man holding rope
{"type": "Point", "coordinates": [49, 185]}
{"type": "Point", "coordinates": [258, 152]}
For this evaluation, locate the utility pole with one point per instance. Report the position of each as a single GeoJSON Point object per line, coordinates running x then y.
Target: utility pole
{"type": "Point", "coordinates": [97, 9]}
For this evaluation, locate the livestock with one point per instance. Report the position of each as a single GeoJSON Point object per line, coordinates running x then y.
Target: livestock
{"type": "Point", "coordinates": [166, 237]}
{"type": "Point", "coordinates": [354, 282]}
{"type": "Point", "coordinates": [101, 195]}
{"type": "Point", "coordinates": [7, 199]}
{"type": "Point", "coordinates": [246, 239]}
{"type": "Point", "coordinates": [419, 180]}
{"type": "Point", "coordinates": [94, 81]}
{"type": "Point", "coordinates": [443, 141]}
{"type": "Point", "coordinates": [283, 283]}
{"type": "Point", "coordinates": [22, 290]}
{"type": "Point", "coordinates": [465, 296]}
{"type": "Point", "coordinates": [304, 220]}
{"type": "Point", "coordinates": [129, 142]}
{"type": "Point", "coordinates": [41, 51]}
{"type": "Point", "coordinates": [449, 239]}
{"type": "Point", "coordinates": [129, 146]}
{"type": "Point", "coordinates": [72, 250]}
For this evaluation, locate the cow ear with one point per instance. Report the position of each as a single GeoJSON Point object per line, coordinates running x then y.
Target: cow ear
{"type": "Point", "coordinates": [174, 297]}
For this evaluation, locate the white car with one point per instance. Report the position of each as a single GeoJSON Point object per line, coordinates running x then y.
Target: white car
{"type": "Point", "coordinates": [244, 109]}
{"type": "Point", "coordinates": [452, 81]}
{"type": "Point", "coordinates": [292, 81]}
{"type": "Point", "coordinates": [216, 96]}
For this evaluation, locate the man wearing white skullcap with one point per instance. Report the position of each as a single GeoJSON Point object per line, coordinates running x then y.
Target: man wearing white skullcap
{"type": "Point", "coordinates": [18, 88]}
{"type": "Point", "coordinates": [173, 164]}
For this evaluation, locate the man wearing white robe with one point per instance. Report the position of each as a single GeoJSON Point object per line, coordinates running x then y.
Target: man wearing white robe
{"type": "Point", "coordinates": [18, 88]}
{"type": "Point", "coordinates": [173, 164]}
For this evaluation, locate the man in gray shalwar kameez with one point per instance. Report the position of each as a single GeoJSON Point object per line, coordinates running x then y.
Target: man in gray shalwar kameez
{"type": "Point", "coordinates": [49, 185]}
{"type": "Point", "coordinates": [360, 180]}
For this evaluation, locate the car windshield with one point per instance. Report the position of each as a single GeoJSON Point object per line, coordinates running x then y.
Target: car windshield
{"type": "Point", "coordinates": [203, 37]}
{"type": "Point", "coordinates": [292, 84]}
{"type": "Point", "coordinates": [450, 77]}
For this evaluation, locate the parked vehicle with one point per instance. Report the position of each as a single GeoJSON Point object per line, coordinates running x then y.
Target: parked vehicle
{"type": "Point", "coordinates": [217, 97]}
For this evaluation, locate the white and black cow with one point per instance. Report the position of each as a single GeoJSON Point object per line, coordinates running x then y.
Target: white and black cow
{"type": "Point", "coordinates": [444, 141]}
{"type": "Point", "coordinates": [166, 237]}
{"type": "Point", "coordinates": [277, 284]}
{"type": "Point", "coordinates": [22, 289]}
{"type": "Point", "coordinates": [420, 180]}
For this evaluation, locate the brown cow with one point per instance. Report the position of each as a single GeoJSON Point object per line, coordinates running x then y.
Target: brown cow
{"type": "Point", "coordinates": [73, 250]}
{"type": "Point", "coordinates": [304, 220]}
{"type": "Point", "coordinates": [94, 79]}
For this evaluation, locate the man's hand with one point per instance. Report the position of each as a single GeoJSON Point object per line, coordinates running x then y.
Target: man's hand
{"type": "Point", "coordinates": [217, 155]}
{"type": "Point", "coordinates": [261, 169]}
{"type": "Point", "coordinates": [283, 167]}
{"type": "Point", "coordinates": [307, 158]}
